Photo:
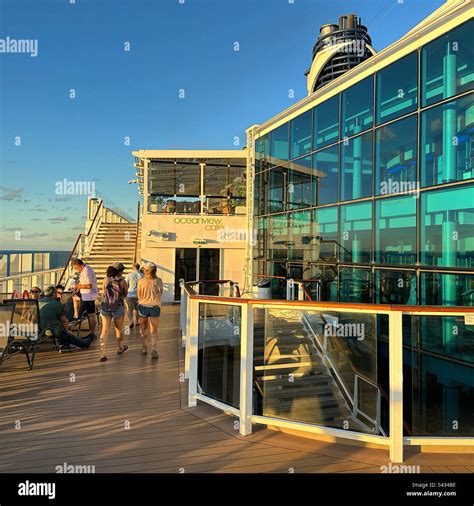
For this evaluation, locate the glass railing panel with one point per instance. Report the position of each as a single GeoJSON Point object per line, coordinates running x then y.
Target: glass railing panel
{"type": "Point", "coordinates": [219, 352]}
{"type": "Point", "coordinates": [308, 364]}
{"type": "Point", "coordinates": [438, 376]}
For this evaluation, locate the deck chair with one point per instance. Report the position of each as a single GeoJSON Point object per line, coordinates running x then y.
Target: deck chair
{"type": "Point", "coordinates": [26, 332]}
{"type": "Point", "coordinates": [5, 295]}
{"type": "Point", "coordinates": [68, 305]}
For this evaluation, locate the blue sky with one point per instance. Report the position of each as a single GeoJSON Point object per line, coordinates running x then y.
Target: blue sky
{"type": "Point", "coordinates": [118, 94]}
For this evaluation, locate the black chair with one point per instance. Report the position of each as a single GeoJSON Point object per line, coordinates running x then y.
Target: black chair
{"type": "Point", "coordinates": [68, 306]}
{"type": "Point", "coordinates": [25, 332]}
{"type": "Point", "coordinates": [5, 295]}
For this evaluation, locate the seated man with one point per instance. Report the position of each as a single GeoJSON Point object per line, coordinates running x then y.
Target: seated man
{"type": "Point", "coordinates": [52, 315]}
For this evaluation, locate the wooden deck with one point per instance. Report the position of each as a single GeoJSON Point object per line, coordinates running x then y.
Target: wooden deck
{"type": "Point", "coordinates": [130, 415]}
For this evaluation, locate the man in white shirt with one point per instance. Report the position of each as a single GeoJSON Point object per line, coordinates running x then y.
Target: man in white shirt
{"type": "Point", "coordinates": [132, 280]}
{"type": "Point", "coordinates": [87, 287]}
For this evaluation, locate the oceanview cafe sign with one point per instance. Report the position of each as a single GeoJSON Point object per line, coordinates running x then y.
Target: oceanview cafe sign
{"type": "Point", "coordinates": [209, 223]}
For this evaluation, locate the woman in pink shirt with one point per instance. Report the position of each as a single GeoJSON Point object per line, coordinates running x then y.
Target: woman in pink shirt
{"type": "Point", "coordinates": [149, 292]}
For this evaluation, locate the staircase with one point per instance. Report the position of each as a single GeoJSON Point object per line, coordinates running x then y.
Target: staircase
{"type": "Point", "coordinates": [291, 374]}
{"type": "Point", "coordinates": [114, 242]}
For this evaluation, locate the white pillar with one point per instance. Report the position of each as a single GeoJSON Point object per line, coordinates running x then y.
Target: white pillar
{"type": "Point", "coordinates": [395, 353]}
{"type": "Point", "coordinates": [246, 369]}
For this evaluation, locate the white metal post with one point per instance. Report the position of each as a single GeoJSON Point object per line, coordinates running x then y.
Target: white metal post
{"type": "Point", "coordinates": [395, 354]}
{"type": "Point", "coordinates": [192, 352]}
{"type": "Point", "coordinates": [246, 370]}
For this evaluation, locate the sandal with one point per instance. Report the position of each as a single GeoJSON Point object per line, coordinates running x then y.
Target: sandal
{"type": "Point", "coordinates": [122, 350]}
{"type": "Point", "coordinates": [154, 354]}
{"type": "Point", "coordinates": [103, 359]}
{"type": "Point", "coordinates": [143, 351]}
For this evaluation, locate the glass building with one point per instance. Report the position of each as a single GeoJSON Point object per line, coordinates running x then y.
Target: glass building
{"type": "Point", "coordinates": [364, 193]}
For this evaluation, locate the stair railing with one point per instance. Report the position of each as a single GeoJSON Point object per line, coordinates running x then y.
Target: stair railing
{"type": "Point", "coordinates": [353, 400]}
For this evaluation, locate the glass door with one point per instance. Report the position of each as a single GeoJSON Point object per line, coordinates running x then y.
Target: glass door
{"type": "Point", "coordinates": [209, 269]}
{"type": "Point", "coordinates": [185, 268]}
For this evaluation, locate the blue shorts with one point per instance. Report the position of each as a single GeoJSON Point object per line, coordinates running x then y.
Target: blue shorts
{"type": "Point", "coordinates": [120, 311]}
{"type": "Point", "coordinates": [149, 311]}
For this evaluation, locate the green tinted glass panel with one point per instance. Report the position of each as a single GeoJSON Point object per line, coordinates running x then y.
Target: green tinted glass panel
{"type": "Point", "coordinates": [278, 236]}
{"type": "Point", "coordinates": [397, 89]}
{"type": "Point", "coordinates": [325, 239]}
{"type": "Point", "coordinates": [447, 140]}
{"type": "Point", "coordinates": [326, 123]}
{"type": "Point", "coordinates": [395, 232]}
{"type": "Point", "coordinates": [356, 167]}
{"type": "Point", "coordinates": [357, 104]}
{"type": "Point", "coordinates": [326, 170]}
{"type": "Point", "coordinates": [440, 289]}
{"type": "Point", "coordinates": [279, 145]}
{"type": "Point", "coordinates": [299, 244]}
{"type": "Point", "coordinates": [299, 192]}
{"type": "Point", "coordinates": [448, 65]}
{"type": "Point", "coordinates": [447, 228]}
{"type": "Point", "coordinates": [395, 157]}
{"type": "Point", "coordinates": [300, 135]}
{"type": "Point", "coordinates": [356, 232]}
{"type": "Point", "coordinates": [276, 190]}
{"type": "Point", "coordinates": [261, 153]}
{"type": "Point", "coordinates": [395, 287]}
{"type": "Point", "coordinates": [355, 285]}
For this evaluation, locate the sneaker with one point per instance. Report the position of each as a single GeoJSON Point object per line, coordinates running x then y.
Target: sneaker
{"type": "Point", "coordinates": [154, 354]}
{"type": "Point", "coordinates": [65, 349]}
{"type": "Point", "coordinates": [131, 326]}
{"type": "Point", "coordinates": [75, 320]}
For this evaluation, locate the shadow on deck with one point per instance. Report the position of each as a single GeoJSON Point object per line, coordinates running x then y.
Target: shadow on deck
{"type": "Point", "coordinates": [129, 415]}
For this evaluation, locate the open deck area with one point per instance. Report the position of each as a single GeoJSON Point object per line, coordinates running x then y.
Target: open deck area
{"type": "Point", "coordinates": [130, 415]}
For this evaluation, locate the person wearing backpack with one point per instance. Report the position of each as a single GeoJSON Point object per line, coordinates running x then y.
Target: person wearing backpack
{"type": "Point", "coordinates": [114, 290]}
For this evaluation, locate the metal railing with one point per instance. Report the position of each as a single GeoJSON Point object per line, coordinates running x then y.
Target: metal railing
{"type": "Point", "coordinates": [192, 329]}
{"type": "Point", "coordinates": [25, 281]}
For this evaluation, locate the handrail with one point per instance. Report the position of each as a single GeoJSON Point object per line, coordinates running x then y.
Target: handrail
{"type": "Point", "coordinates": [78, 239]}
{"type": "Point", "coordinates": [29, 274]}
{"type": "Point", "coordinates": [137, 234]}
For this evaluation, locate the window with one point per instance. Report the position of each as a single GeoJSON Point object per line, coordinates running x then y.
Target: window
{"type": "Point", "coordinates": [325, 238]}
{"type": "Point", "coordinates": [164, 204]}
{"type": "Point", "coordinates": [356, 232]}
{"type": "Point", "coordinates": [224, 180]}
{"type": "Point", "coordinates": [276, 191]}
{"type": "Point", "coordinates": [395, 287]}
{"type": "Point", "coordinates": [188, 179]}
{"type": "Point", "coordinates": [395, 222]}
{"type": "Point", "coordinates": [326, 170]}
{"type": "Point", "coordinates": [299, 233]}
{"type": "Point", "coordinates": [446, 142]}
{"type": "Point", "coordinates": [447, 227]}
{"type": "Point", "coordinates": [448, 65]}
{"type": "Point", "coordinates": [357, 105]}
{"type": "Point", "coordinates": [299, 183]}
{"type": "Point", "coordinates": [300, 135]}
{"type": "Point", "coordinates": [395, 157]}
{"type": "Point", "coordinates": [278, 237]}
{"type": "Point", "coordinates": [356, 166]}
{"type": "Point", "coordinates": [279, 145]}
{"type": "Point", "coordinates": [162, 178]}
{"type": "Point", "coordinates": [397, 89]}
{"type": "Point", "coordinates": [326, 123]}
{"type": "Point", "coordinates": [261, 152]}
{"type": "Point", "coordinates": [356, 285]}
{"type": "Point", "coordinates": [440, 289]}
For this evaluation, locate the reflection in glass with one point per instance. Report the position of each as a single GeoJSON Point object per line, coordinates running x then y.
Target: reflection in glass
{"type": "Point", "coordinates": [173, 205]}
{"type": "Point", "coordinates": [326, 170]}
{"type": "Point", "coordinates": [357, 105]}
{"type": "Point", "coordinates": [395, 287]}
{"type": "Point", "coordinates": [309, 364]}
{"type": "Point", "coordinates": [436, 289]}
{"type": "Point", "coordinates": [219, 352]}
{"type": "Point", "coordinates": [299, 183]}
{"type": "Point", "coordinates": [447, 229]}
{"type": "Point", "coordinates": [279, 145]}
{"type": "Point", "coordinates": [326, 123]}
{"type": "Point", "coordinates": [300, 135]}
{"type": "Point", "coordinates": [448, 65]}
{"type": "Point", "coordinates": [278, 236]}
{"type": "Point", "coordinates": [356, 285]}
{"type": "Point", "coordinates": [356, 232]}
{"type": "Point", "coordinates": [276, 190]}
{"type": "Point", "coordinates": [356, 166]}
{"type": "Point", "coordinates": [395, 157]}
{"type": "Point", "coordinates": [261, 153]}
{"type": "Point", "coordinates": [397, 89]}
{"type": "Point", "coordinates": [299, 245]}
{"type": "Point", "coordinates": [395, 222]}
{"type": "Point", "coordinates": [447, 137]}
{"type": "Point", "coordinates": [325, 238]}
